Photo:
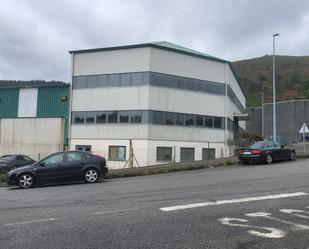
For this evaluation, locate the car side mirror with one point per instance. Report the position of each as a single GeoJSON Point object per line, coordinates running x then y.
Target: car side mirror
{"type": "Point", "coordinates": [282, 146]}
{"type": "Point", "coordinates": [42, 164]}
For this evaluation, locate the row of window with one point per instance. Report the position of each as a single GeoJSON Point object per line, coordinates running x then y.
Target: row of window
{"type": "Point", "coordinates": [149, 117]}
{"type": "Point", "coordinates": [118, 153]}
{"type": "Point", "coordinates": [154, 79]}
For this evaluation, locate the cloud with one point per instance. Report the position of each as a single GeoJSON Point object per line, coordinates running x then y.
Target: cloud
{"type": "Point", "coordinates": [35, 35]}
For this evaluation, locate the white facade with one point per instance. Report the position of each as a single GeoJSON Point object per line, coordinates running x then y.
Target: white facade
{"type": "Point", "coordinates": [152, 98]}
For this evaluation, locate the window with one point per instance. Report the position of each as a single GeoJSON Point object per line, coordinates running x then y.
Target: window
{"type": "Point", "coordinates": [90, 117]}
{"type": "Point", "coordinates": [54, 159]}
{"type": "Point", "coordinates": [114, 80]}
{"type": "Point", "coordinates": [78, 117]}
{"type": "Point", "coordinates": [80, 81]}
{"type": "Point", "coordinates": [169, 118]}
{"type": "Point", "coordinates": [112, 117]}
{"type": "Point", "coordinates": [208, 153]}
{"type": "Point", "coordinates": [218, 122]}
{"type": "Point", "coordinates": [74, 156]}
{"type": "Point", "coordinates": [209, 121]}
{"type": "Point", "coordinates": [124, 117]}
{"type": "Point", "coordinates": [189, 119]}
{"type": "Point", "coordinates": [103, 80]}
{"type": "Point", "coordinates": [179, 118]}
{"type": "Point", "coordinates": [83, 148]}
{"type": "Point", "coordinates": [186, 154]}
{"type": "Point", "coordinates": [137, 79]}
{"type": "Point", "coordinates": [101, 118]}
{"type": "Point", "coordinates": [117, 153]}
{"type": "Point", "coordinates": [92, 81]}
{"type": "Point", "coordinates": [164, 153]}
{"type": "Point", "coordinates": [125, 79]}
{"type": "Point", "coordinates": [136, 117]}
{"type": "Point", "coordinates": [199, 120]}
{"type": "Point", "coordinates": [157, 117]}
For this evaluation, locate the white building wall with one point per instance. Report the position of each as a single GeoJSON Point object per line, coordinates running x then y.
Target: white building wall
{"type": "Point", "coordinates": [114, 61]}
{"type": "Point", "coordinates": [111, 98]}
{"type": "Point", "coordinates": [177, 100]}
{"type": "Point", "coordinates": [168, 62]}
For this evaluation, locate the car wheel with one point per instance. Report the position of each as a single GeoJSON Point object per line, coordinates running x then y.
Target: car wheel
{"type": "Point", "coordinates": [25, 181]}
{"type": "Point", "coordinates": [91, 175]}
{"type": "Point", "coordinates": [269, 159]}
{"type": "Point", "coordinates": [292, 155]}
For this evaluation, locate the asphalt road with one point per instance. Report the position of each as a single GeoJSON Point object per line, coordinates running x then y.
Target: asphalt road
{"type": "Point", "coordinates": [241, 207]}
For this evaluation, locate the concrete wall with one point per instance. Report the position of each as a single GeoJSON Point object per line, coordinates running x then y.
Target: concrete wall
{"type": "Point", "coordinates": [290, 117]}
{"type": "Point", "coordinates": [31, 136]}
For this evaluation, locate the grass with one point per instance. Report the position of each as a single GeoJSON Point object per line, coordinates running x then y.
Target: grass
{"type": "Point", "coordinates": [2, 177]}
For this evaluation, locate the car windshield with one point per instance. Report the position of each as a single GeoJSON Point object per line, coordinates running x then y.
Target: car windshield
{"type": "Point", "coordinates": [258, 145]}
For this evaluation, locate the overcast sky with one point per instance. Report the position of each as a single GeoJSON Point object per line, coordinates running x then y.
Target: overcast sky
{"type": "Point", "coordinates": [36, 35]}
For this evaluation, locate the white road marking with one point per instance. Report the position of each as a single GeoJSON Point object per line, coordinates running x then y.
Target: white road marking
{"type": "Point", "coordinates": [31, 221]}
{"type": "Point", "coordinates": [112, 211]}
{"type": "Point", "coordinates": [271, 232]}
{"type": "Point", "coordinates": [295, 212]}
{"type": "Point", "coordinates": [232, 201]}
{"type": "Point", "coordinates": [269, 217]}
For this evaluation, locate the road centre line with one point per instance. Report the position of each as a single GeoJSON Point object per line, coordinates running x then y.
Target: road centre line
{"type": "Point", "coordinates": [232, 201]}
{"type": "Point", "coordinates": [31, 221]}
{"type": "Point", "coordinates": [113, 211]}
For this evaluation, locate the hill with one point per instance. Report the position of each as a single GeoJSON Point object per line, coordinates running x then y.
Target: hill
{"type": "Point", "coordinates": [292, 78]}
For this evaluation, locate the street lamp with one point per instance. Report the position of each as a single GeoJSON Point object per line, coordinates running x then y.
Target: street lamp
{"type": "Point", "coordinates": [274, 91]}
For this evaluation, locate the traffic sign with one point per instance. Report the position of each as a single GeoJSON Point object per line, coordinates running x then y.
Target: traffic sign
{"type": "Point", "coordinates": [304, 129]}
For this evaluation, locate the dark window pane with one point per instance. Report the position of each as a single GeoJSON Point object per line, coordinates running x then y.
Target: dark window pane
{"type": "Point", "coordinates": [117, 153]}
{"type": "Point", "coordinates": [112, 117]}
{"type": "Point", "coordinates": [157, 117]}
{"type": "Point", "coordinates": [171, 81]}
{"type": "Point", "coordinates": [114, 80]}
{"type": "Point", "coordinates": [199, 120]}
{"type": "Point", "coordinates": [179, 118]}
{"type": "Point", "coordinates": [169, 118]}
{"type": "Point", "coordinates": [208, 87]}
{"type": "Point", "coordinates": [189, 119]}
{"type": "Point", "coordinates": [199, 85]}
{"type": "Point", "coordinates": [125, 79]}
{"type": "Point", "coordinates": [92, 81]}
{"type": "Point", "coordinates": [209, 121]}
{"type": "Point", "coordinates": [164, 153]}
{"type": "Point", "coordinates": [146, 78]}
{"type": "Point", "coordinates": [78, 117]}
{"type": "Point", "coordinates": [158, 79]}
{"type": "Point", "coordinates": [190, 84]}
{"type": "Point", "coordinates": [208, 153]}
{"type": "Point", "coordinates": [124, 117]}
{"type": "Point", "coordinates": [101, 118]}
{"type": "Point", "coordinates": [218, 122]}
{"type": "Point", "coordinates": [81, 82]}
{"type": "Point", "coordinates": [103, 80]}
{"type": "Point", "coordinates": [186, 154]}
{"type": "Point", "coordinates": [136, 117]}
{"type": "Point", "coordinates": [137, 79]}
{"type": "Point", "coordinates": [90, 117]}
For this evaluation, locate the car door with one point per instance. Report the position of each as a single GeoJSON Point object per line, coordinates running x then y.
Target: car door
{"type": "Point", "coordinates": [73, 164]}
{"type": "Point", "coordinates": [274, 149]}
{"type": "Point", "coordinates": [51, 168]}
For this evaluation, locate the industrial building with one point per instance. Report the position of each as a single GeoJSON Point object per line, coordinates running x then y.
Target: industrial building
{"type": "Point", "coordinates": [33, 117]}
{"type": "Point", "coordinates": [162, 101]}
{"type": "Point", "coordinates": [290, 115]}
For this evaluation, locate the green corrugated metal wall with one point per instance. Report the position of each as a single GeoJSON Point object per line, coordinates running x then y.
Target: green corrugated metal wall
{"type": "Point", "coordinates": [9, 103]}
{"type": "Point", "coordinates": [54, 102]}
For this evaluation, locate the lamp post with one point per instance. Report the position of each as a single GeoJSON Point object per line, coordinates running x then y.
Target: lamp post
{"type": "Point", "coordinates": [274, 91]}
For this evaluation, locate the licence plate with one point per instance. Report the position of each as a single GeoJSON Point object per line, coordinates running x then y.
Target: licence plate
{"type": "Point", "coordinates": [247, 153]}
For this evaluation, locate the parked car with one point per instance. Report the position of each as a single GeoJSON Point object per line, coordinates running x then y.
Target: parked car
{"type": "Point", "coordinates": [265, 152]}
{"type": "Point", "coordinates": [9, 162]}
{"type": "Point", "coordinates": [59, 167]}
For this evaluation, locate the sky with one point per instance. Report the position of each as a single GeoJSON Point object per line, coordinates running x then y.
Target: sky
{"type": "Point", "coordinates": [36, 35]}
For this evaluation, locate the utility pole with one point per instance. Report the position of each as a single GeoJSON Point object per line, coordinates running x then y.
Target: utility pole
{"type": "Point", "coordinates": [274, 91]}
{"type": "Point", "coordinates": [263, 114]}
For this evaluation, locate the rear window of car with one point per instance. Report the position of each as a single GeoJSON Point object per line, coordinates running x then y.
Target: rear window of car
{"type": "Point", "coordinates": [258, 145]}
{"type": "Point", "coordinates": [7, 158]}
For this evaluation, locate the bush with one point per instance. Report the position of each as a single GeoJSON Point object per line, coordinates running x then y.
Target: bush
{"type": "Point", "coordinates": [2, 177]}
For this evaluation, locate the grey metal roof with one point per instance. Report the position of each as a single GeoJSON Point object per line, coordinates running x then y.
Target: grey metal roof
{"type": "Point", "coordinates": [31, 84]}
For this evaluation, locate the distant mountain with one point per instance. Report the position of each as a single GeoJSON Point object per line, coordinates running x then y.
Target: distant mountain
{"type": "Point", "coordinates": [292, 78]}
